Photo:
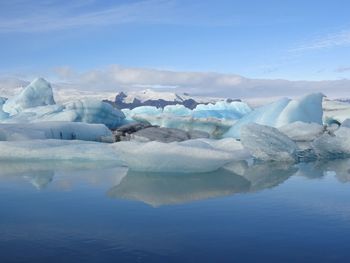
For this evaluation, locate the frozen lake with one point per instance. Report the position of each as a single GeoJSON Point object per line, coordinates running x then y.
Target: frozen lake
{"type": "Point", "coordinates": [95, 212]}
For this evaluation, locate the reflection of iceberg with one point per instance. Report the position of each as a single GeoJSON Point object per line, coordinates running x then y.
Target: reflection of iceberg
{"type": "Point", "coordinates": [340, 168]}
{"type": "Point", "coordinates": [265, 175]}
{"type": "Point", "coordinates": [40, 174]}
{"type": "Point", "coordinates": [165, 189]}
{"type": "Point", "coordinates": [40, 179]}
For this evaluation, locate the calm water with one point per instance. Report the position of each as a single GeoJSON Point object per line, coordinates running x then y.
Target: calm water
{"type": "Point", "coordinates": [83, 212]}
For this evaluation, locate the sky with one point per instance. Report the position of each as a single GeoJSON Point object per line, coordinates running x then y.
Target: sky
{"type": "Point", "coordinates": [271, 39]}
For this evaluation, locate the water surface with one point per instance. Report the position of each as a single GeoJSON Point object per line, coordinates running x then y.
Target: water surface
{"type": "Point", "coordinates": [96, 212]}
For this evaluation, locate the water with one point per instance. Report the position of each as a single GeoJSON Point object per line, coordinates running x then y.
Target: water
{"type": "Point", "coordinates": [86, 212]}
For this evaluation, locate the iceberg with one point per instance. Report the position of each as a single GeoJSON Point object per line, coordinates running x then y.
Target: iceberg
{"type": "Point", "coordinates": [302, 131]}
{"type": "Point", "coordinates": [88, 111]}
{"type": "Point", "coordinates": [148, 110]}
{"type": "Point", "coordinates": [192, 156]}
{"type": "Point", "coordinates": [222, 110]}
{"type": "Point", "coordinates": [37, 93]}
{"type": "Point", "coordinates": [306, 109]}
{"type": "Point", "coordinates": [268, 144]}
{"type": "Point", "coordinates": [333, 146]}
{"type": "Point", "coordinates": [214, 119]}
{"type": "Point", "coordinates": [55, 130]}
{"type": "Point", "coordinates": [58, 150]}
{"type": "Point", "coordinates": [177, 110]}
{"type": "Point", "coordinates": [282, 112]}
{"type": "Point", "coordinates": [3, 115]}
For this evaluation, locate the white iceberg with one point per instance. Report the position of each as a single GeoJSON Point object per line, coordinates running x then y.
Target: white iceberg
{"type": "Point", "coordinates": [58, 150]}
{"type": "Point", "coordinates": [302, 131]}
{"type": "Point", "coordinates": [222, 110]}
{"type": "Point", "coordinates": [333, 146]}
{"type": "Point", "coordinates": [37, 93]}
{"type": "Point", "coordinates": [268, 144]}
{"type": "Point", "coordinates": [192, 156]}
{"type": "Point", "coordinates": [214, 119]}
{"type": "Point", "coordinates": [282, 112]}
{"type": "Point", "coordinates": [177, 110]}
{"type": "Point", "coordinates": [88, 111]}
{"type": "Point", "coordinates": [54, 130]}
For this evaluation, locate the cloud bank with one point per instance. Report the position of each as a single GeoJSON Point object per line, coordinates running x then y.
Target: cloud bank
{"type": "Point", "coordinates": [118, 78]}
{"type": "Point", "coordinates": [115, 78]}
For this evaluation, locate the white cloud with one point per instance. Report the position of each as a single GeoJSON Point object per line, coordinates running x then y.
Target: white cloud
{"type": "Point", "coordinates": [342, 69]}
{"type": "Point", "coordinates": [110, 80]}
{"type": "Point", "coordinates": [338, 39]}
{"type": "Point", "coordinates": [118, 78]}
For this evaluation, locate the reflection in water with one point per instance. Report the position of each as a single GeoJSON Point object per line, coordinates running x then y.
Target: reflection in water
{"type": "Point", "coordinates": [164, 189]}
{"type": "Point", "coordinates": [157, 189]}
{"type": "Point", "coordinates": [76, 212]}
{"type": "Point", "coordinates": [42, 174]}
{"type": "Point", "coordinates": [160, 189]}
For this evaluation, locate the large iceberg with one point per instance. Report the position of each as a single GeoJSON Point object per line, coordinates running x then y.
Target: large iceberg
{"type": "Point", "coordinates": [88, 111]}
{"type": "Point", "coordinates": [37, 93]}
{"type": "Point", "coordinates": [268, 144]}
{"type": "Point", "coordinates": [55, 130]}
{"type": "Point", "coordinates": [36, 103]}
{"type": "Point", "coordinates": [222, 110]}
{"type": "Point", "coordinates": [214, 119]}
{"type": "Point", "coordinates": [192, 156]}
{"type": "Point", "coordinates": [58, 150]}
{"type": "Point", "coordinates": [282, 112]}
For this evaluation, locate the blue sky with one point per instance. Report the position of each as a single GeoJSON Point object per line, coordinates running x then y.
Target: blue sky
{"type": "Point", "coordinates": [294, 40]}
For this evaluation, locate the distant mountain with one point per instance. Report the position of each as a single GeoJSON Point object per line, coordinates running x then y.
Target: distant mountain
{"type": "Point", "coordinates": [158, 99]}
